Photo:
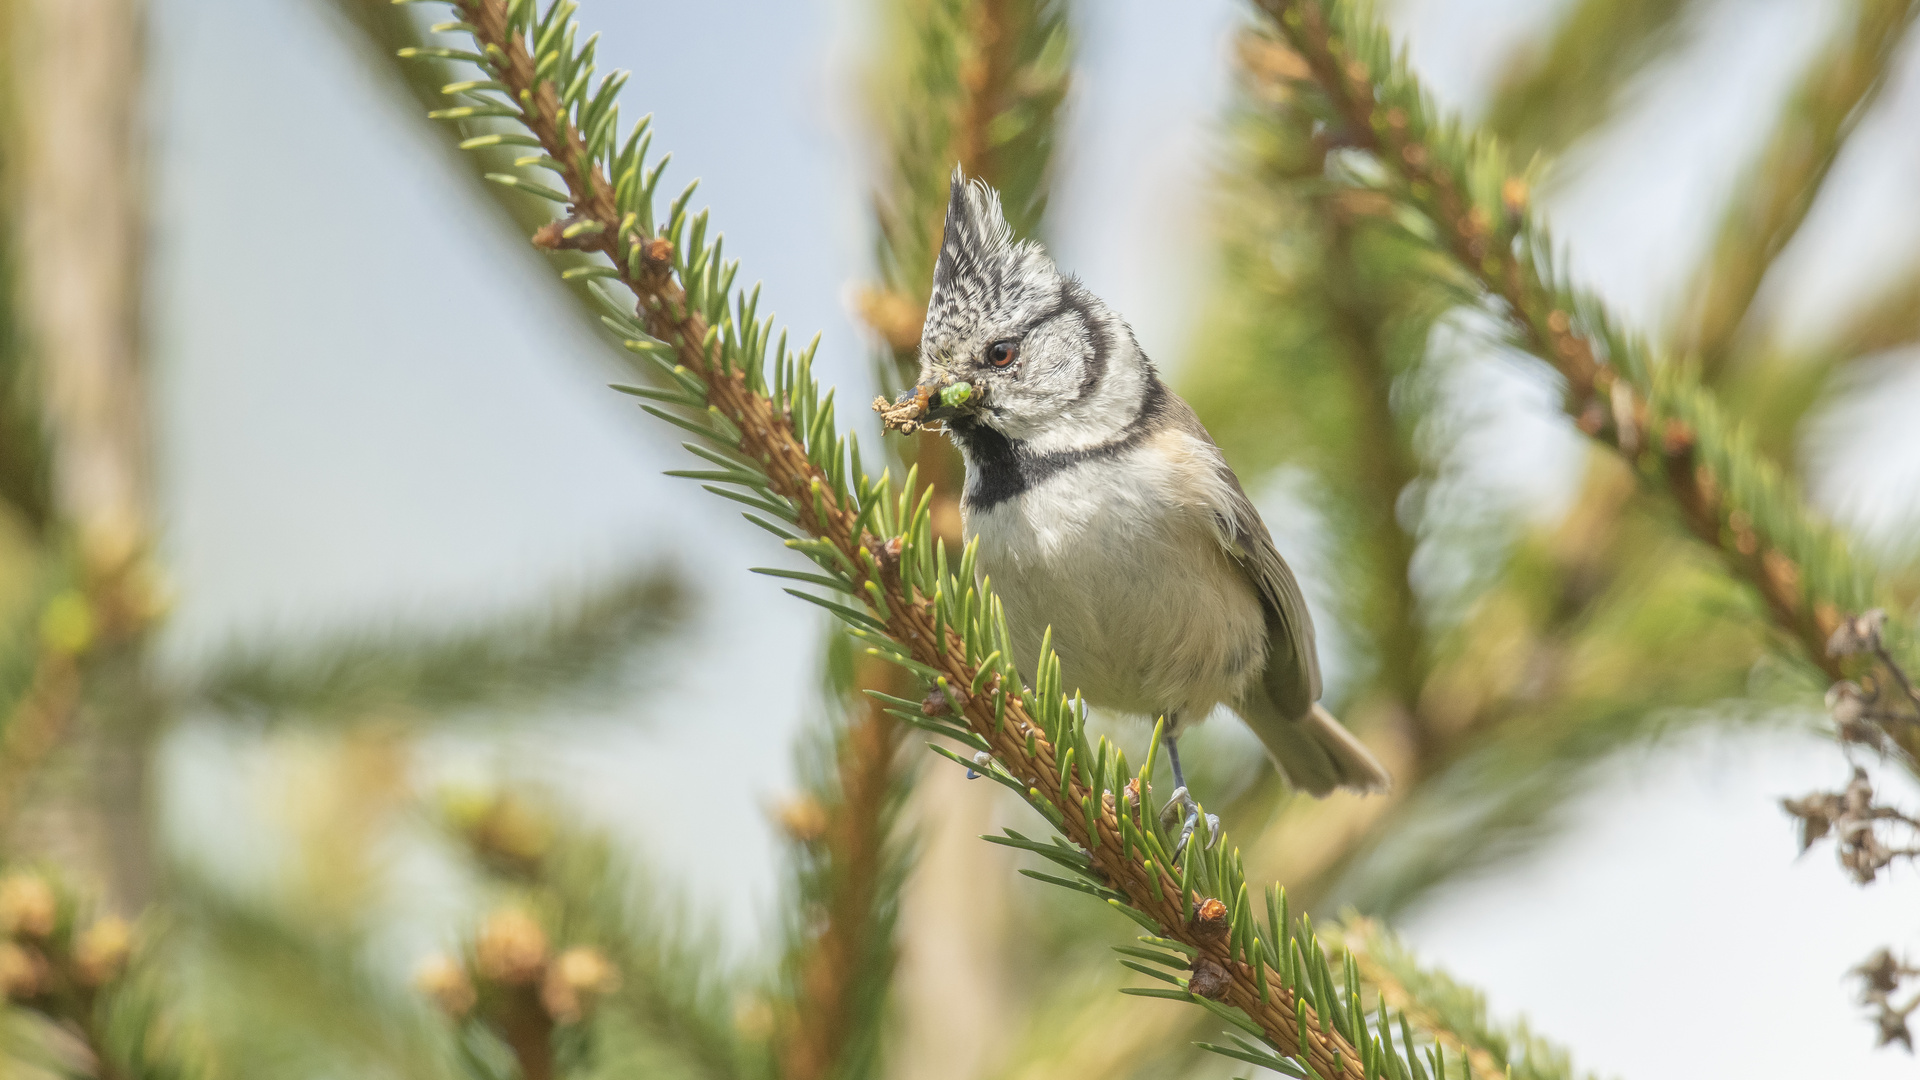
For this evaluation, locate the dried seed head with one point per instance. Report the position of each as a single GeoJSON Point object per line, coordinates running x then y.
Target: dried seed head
{"type": "Point", "coordinates": [1880, 972]}
{"type": "Point", "coordinates": [28, 907]}
{"type": "Point", "coordinates": [1816, 813]}
{"type": "Point", "coordinates": [1893, 1028]}
{"type": "Point", "coordinates": [100, 951]}
{"type": "Point", "coordinates": [1846, 703]}
{"type": "Point", "coordinates": [445, 982]}
{"type": "Point", "coordinates": [511, 948]}
{"type": "Point", "coordinates": [576, 978]}
{"type": "Point", "coordinates": [1858, 634]}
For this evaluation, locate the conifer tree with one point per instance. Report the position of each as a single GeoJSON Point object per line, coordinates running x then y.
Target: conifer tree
{"type": "Point", "coordinates": [1370, 246]}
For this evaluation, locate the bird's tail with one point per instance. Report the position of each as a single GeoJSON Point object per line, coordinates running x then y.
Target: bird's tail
{"type": "Point", "coordinates": [1314, 752]}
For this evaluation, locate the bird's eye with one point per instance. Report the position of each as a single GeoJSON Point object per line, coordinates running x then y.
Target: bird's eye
{"type": "Point", "coordinates": [1002, 353]}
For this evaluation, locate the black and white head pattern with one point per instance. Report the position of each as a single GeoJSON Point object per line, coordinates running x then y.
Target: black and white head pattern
{"type": "Point", "coordinates": [1059, 373]}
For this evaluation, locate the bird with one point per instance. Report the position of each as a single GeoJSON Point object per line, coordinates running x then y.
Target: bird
{"type": "Point", "coordinates": [1103, 510]}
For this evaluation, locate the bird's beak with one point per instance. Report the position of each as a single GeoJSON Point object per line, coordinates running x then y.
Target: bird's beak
{"type": "Point", "coordinates": [935, 399]}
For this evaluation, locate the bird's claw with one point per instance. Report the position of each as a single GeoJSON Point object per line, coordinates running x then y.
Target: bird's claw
{"type": "Point", "coordinates": [1181, 797]}
{"type": "Point", "coordinates": [1171, 812]}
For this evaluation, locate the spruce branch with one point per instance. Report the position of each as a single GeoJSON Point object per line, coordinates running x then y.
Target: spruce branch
{"type": "Point", "coordinates": [1656, 416]}
{"type": "Point", "coordinates": [658, 999]}
{"type": "Point", "coordinates": [558, 648]}
{"type": "Point", "coordinates": [1548, 97]}
{"type": "Point", "coordinates": [85, 978]}
{"type": "Point", "coordinates": [875, 546]}
{"type": "Point", "coordinates": [1836, 90]}
{"type": "Point", "coordinates": [849, 864]}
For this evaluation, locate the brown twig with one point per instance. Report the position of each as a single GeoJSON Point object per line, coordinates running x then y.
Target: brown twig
{"type": "Point", "coordinates": [768, 437]}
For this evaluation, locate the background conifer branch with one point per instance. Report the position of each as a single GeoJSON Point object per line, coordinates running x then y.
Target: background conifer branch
{"type": "Point", "coordinates": [73, 183]}
{"type": "Point", "coordinates": [1838, 87]}
{"type": "Point", "coordinates": [1553, 93]}
{"type": "Point", "coordinates": [849, 862]}
{"type": "Point", "coordinates": [510, 660]}
{"type": "Point", "coordinates": [581, 964]}
{"type": "Point", "coordinates": [1658, 417]}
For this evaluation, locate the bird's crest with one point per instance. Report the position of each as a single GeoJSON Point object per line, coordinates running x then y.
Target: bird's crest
{"type": "Point", "coordinates": [982, 268]}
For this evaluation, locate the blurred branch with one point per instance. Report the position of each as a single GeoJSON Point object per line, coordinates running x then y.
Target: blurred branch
{"type": "Point", "coordinates": [272, 995]}
{"type": "Point", "coordinates": [665, 1002]}
{"type": "Point", "coordinates": [25, 471]}
{"type": "Point", "coordinates": [1777, 389]}
{"type": "Point", "coordinates": [1659, 419]}
{"type": "Point", "coordinates": [39, 718]}
{"type": "Point", "coordinates": [1780, 187]}
{"type": "Point", "coordinates": [90, 982]}
{"type": "Point", "coordinates": [848, 864]}
{"type": "Point", "coordinates": [1549, 97]}
{"type": "Point", "coordinates": [81, 245]}
{"type": "Point", "coordinates": [505, 662]}
{"type": "Point", "coordinates": [1888, 319]}
{"type": "Point", "coordinates": [1388, 466]}
{"type": "Point", "coordinates": [76, 190]}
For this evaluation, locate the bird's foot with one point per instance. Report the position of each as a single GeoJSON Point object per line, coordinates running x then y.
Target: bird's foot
{"type": "Point", "coordinates": [1181, 797]}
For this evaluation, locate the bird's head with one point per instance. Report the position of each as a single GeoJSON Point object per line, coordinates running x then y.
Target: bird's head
{"type": "Point", "coordinates": [1042, 359]}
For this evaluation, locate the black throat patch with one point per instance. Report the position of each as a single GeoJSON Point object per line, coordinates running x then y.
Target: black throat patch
{"type": "Point", "coordinates": [999, 468]}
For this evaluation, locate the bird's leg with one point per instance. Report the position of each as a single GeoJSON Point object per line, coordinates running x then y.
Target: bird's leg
{"type": "Point", "coordinates": [1181, 795]}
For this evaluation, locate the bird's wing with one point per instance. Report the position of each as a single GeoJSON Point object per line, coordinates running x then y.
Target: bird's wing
{"type": "Point", "coordinates": [1293, 663]}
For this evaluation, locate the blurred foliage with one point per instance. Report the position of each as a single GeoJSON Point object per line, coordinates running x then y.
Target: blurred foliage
{"type": "Point", "coordinates": [1494, 652]}
{"type": "Point", "coordinates": [567, 645]}
{"type": "Point", "coordinates": [1554, 92]}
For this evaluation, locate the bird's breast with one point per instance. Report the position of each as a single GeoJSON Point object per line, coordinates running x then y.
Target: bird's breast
{"type": "Point", "coordinates": [1148, 612]}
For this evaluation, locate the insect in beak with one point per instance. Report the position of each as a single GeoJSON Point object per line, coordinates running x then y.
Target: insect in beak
{"type": "Point", "coordinates": [933, 401]}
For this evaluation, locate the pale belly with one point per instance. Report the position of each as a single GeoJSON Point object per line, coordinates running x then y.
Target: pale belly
{"type": "Point", "coordinates": [1149, 614]}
